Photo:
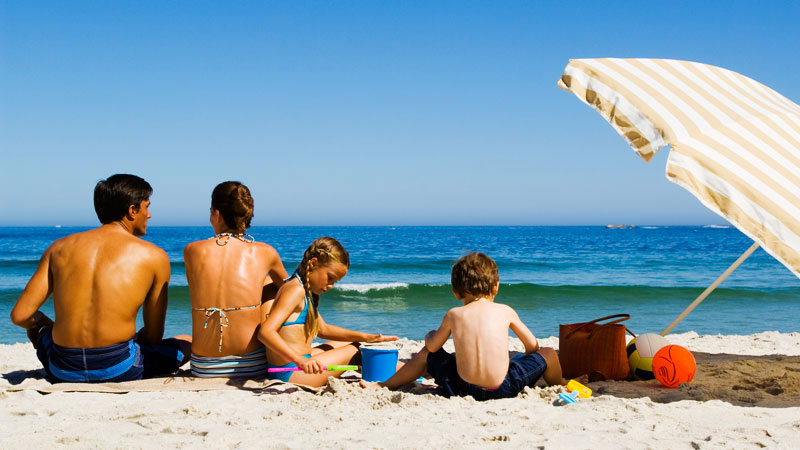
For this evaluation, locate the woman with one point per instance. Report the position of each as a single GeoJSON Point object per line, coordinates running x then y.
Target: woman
{"type": "Point", "coordinates": [232, 280]}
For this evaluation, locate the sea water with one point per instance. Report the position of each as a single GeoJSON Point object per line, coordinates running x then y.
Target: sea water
{"type": "Point", "coordinates": [398, 282]}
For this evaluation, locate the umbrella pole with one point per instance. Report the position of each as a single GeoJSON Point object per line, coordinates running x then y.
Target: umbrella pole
{"type": "Point", "coordinates": [711, 288]}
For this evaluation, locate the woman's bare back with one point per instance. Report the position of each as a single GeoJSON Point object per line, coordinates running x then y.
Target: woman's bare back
{"type": "Point", "coordinates": [225, 286]}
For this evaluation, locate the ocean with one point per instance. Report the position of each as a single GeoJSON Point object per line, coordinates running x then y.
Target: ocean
{"type": "Point", "coordinates": [398, 282]}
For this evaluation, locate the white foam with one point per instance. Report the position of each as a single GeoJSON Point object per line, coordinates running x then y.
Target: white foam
{"type": "Point", "coordinates": [362, 288]}
{"type": "Point", "coordinates": [716, 226]}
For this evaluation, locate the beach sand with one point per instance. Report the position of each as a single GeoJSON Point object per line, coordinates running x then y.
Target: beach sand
{"type": "Point", "coordinates": [746, 395]}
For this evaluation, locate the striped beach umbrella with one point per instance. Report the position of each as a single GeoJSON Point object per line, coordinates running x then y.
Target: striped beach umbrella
{"type": "Point", "coordinates": [735, 143]}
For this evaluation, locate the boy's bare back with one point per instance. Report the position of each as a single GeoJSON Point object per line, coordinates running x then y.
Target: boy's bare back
{"type": "Point", "coordinates": [480, 335]}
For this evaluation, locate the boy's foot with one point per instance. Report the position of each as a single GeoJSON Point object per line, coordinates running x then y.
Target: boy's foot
{"type": "Point", "coordinates": [583, 379]}
{"type": "Point", "coordinates": [370, 384]}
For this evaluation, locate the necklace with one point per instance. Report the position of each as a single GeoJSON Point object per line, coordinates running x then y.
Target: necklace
{"type": "Point", "coordinates": [223, 238]}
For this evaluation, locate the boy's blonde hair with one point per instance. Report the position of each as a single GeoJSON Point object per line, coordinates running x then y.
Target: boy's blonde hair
{"type": "Point", "coordinates": [327, 250]}
{"type": "Point", "coordinates": [474, 274]}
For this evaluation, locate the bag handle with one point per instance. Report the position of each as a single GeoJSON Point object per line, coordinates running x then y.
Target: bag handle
{"type": "Point", "coordinates": [620, 318]}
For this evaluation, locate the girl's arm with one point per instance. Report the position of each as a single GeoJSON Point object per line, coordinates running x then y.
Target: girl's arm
{"type": "Point", "coordinates": [285, 304]}
{"type": "Point", "coordinates": [334, 333]}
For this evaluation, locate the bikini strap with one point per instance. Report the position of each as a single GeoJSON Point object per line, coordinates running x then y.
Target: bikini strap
{"type": "Point", "coordinates": [223, 318]}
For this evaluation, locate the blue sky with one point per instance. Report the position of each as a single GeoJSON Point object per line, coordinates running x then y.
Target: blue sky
{"type": "Point", "coordinates": [352, 113]}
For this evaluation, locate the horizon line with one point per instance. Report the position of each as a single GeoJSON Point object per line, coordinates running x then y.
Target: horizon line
{"type": "Point", "coordinates": [626, 226]}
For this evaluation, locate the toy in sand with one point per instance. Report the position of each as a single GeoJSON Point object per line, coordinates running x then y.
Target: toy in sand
{"type": "Point", "coordinates": [576, 390]}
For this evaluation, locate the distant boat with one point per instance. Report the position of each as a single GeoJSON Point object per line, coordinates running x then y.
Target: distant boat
{"type": "Point", "coordinates": [58, 226]}
{"type": "Point", "coordinates": [615, 226]}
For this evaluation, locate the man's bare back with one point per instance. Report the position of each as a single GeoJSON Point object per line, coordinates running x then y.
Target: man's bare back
{"type": "Point", "coordinates": [101, 278]}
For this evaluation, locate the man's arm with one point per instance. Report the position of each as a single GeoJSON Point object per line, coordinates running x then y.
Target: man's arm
{"type": "Point", "coordinates": [523, 333]}
{"type": "Point", "coordinates": [26, 312]}
{"type": "Point", "coordinates": [155, 305]}
{"type": "Point", "coordinates": [435, 341]}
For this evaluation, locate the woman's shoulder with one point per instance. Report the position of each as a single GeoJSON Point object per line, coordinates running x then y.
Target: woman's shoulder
{"type": "Point", "coordinates": [196, 246]}
{"type": "Point", "coordinates": [265, 248]}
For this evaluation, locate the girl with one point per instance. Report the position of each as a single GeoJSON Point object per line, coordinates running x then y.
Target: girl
{"type": "Point", "coordinates": [294, 320]}
{"type": "Point", "coordinates": [230, 277]}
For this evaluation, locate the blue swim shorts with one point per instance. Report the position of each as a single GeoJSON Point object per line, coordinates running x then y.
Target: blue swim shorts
{"type": "Point", "coordinates": [523, 370]}
{"type": "Point", "coordinates": [125, 361]}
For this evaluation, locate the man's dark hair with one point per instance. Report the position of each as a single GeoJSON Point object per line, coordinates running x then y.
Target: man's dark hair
{"type": "Point", "coordinates": [115, 194]}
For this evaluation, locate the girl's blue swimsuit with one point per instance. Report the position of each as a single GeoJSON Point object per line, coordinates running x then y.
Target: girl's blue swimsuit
{"type": "Point", "coordinates": [283, 376]}
{"type": "Point", "coordinates": [301, 318]}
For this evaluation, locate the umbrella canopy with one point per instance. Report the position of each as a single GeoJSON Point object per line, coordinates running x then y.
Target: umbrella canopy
{"type": "Point", "coordinates": [735, 142]}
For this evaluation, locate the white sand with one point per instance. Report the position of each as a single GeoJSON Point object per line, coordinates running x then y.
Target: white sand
{"type": "Point", "coordinates": [345, 416]}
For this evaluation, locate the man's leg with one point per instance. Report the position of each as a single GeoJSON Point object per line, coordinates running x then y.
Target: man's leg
{"type": "Point", "coordinates": [43, 346]}
{"type": "Point", "coordinates": [35, 332]}
{"type": "Point", "coordinates": [185, 343]}
{"type": "Point", "coordinates": [166, 357]}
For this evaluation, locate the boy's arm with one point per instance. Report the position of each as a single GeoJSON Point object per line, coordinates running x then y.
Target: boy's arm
{"type": "Point", "coordinates": [523, 333]}
{"type": "Point", "coordinates": [434, 342]}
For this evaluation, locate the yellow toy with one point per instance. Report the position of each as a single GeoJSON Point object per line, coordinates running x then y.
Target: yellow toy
{"type": "Point", "coordinates": [575, 390]}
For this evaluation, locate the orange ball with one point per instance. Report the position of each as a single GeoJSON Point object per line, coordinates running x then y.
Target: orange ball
{"type": "Point", "coordinates": [673, 365]}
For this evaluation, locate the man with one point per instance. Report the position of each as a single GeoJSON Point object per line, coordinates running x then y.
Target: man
{"type": "Point", "coordinates": [99, 279]}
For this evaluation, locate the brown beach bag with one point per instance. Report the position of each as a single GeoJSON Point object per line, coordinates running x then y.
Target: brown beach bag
{"type": "Point", "coordinates": [594, 349]}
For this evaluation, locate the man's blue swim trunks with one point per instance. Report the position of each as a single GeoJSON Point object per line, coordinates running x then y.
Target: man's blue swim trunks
{"type": "Point", "coordinates": [125, 361]}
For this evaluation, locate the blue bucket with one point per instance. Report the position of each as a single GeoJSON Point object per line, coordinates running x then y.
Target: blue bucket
{"type": "Point", "coordinates": [378, 364]}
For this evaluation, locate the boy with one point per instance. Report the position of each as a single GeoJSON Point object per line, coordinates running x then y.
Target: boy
{"type": "Point", "coordinates": [480, 366]}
